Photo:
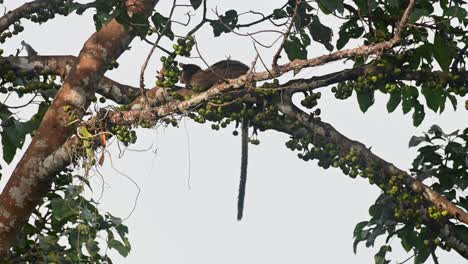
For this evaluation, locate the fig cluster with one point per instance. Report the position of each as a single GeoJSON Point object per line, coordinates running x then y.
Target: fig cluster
{"type": "Point", "coordinates": [113, 65]}
{"type": "Point", "coordinates": [17, 28]}
{"type": "Point", "coordinates": [48, 12]}
{"type": "Point", "coordinates": [311, 100]}
{"type": "Point", "coordinates": [124, 134]}
{"type": "Point", "coordinates": [184, 46]}
{"type": "Point", "coordinates": [170, 73]}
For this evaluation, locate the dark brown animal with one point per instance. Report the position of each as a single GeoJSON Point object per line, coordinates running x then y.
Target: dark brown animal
{"type": "Point", "coordinates": [193, 76]}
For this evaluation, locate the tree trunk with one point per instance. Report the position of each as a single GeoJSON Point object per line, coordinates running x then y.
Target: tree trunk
{"type": "Point", "coordinates": [28, 184]}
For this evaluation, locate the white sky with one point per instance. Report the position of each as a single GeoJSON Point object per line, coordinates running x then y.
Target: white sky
{"type": "Point", "coordinates": [295, 212]}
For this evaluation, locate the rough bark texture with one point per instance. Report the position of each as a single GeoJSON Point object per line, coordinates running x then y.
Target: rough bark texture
{"type": "Point", "coordinates": [28, 184]}
{"type": "Point", "coordinates": [62, 65]}
{"type": "Point", "coordinates": [126, 94]}
{"type": "Point", "coordinates": [331, 135]}
{"type": "Point", "coordinates": [335, 137]}
{"type": "Point", "coordinates": [83, 76]}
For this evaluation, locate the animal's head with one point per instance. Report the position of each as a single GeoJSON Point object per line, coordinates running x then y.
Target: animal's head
{"type": "Point", "coordinates": [188, 70]}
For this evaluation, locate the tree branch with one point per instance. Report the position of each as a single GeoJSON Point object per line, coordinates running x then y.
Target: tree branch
{"type": "Point", "coordinates": [332, 135]}
{"type": "Point", "coordinates": [25, 189]}
{"type": "Point", "coordinates": [61, 66]}
{"type": "Point", "coordinates": [15, 15]}
{"type": "Point", "coordinates": [285, 36]}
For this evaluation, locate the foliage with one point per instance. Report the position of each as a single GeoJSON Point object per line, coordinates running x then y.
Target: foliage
{"type": "Point", "coordinates": [424, 71]}
{"type": "Point", "coordinates": [69, 228]}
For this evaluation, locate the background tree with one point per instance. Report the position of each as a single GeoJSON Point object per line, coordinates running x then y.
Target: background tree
{"type": "Point", "coordinates": [406, 49]}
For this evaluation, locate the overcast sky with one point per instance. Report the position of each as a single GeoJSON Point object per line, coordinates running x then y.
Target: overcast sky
{"type": "Point", "coordinates": [295, 211]}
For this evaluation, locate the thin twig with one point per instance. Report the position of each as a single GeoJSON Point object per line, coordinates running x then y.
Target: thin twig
{"type": "Point", "coordinates": [262, 61]}
{"type": "Point", "coordinates": [251, 34]}
{"type": "Point", "coordinates": [202, 22]}
{"type": "Point", "coordinates": [285, 36]}
{"type": "Point", "coordinates": [408, 259]}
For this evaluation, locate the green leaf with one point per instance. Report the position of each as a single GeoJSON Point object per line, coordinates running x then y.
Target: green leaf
{"type": "Point", "coordinates": [456, 11]}
{"type": "Point", "coordinates": [13, 136]}
{"type": "Point", "coordinates": [462, 232]}
{"type": "Point", "coordinates": [393, 101]}
{"type": "Point", "coordinates": [379, 258]}
{"type": "Point", "coordinates": [362, 237]}
{"type": "Point", "coordinates": [9, 148]}
{"type": "Point", "coordinates": [320, 33]}
{"type": "Point", "coordinates": [359, 227]}
{"type": "Point", "coordinates": [376, 232]}
{"type": "Point", "coordinates": [406, 245]}
{"type": "Point", "coordinates": [435, 98]}
{"type": "Point", "coordinates": [160, 23]}
{"type": "Point", "coordinates": [85, 133]}
{"type": "Point", "coordinates": [409, 95]}
{"type": "Point", "coordinates": [279, 14]}
{"type": "Point", "coordinates": [419, 114]}
{"type": "Point", "coordinates": [443, 51]}
{"type": "Point", "coordinates": [418, 13]}
{"type": "Point", "coordinates": [394, 3]}
{"type": "Point", "coordinates": [226, 23]}
{"type": "Point", "coordinates": [436, 130]}
{"type": "Point", "coordinates": [453, 100]}
{"type": "Point", "coordinates": [121, 248]}
{"type": "Point", "coordinates": [92, 247]}
{"type": "Point", "coordinates": [422, 255]}
{"type": "Point", "coordinates": [114, 220]}
{"type": "Point", "coordinates": [348, 30]}
{"type": "Point", "coordinates": [365, 100]}
{"type": "Point", "coordinates": [61, 209]}
{"type": "Point", "coordinates": [47, 242]}
{"type": "Point", "coordinates": [415, 140]}
{"type": "Point", "coordinates": [295, 49]}
{"type": "Point", "coordinates": [196, 3]}
{"type": "Point", "coordinates": [305, 38]}
{"type": "Point", "coordinates": [140, 24]}
{"type": "Point", "coordinates": [329, 6]}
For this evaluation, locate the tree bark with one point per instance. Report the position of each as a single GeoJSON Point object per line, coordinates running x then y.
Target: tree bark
{"type": "Point", "coordinates": [28, 184]}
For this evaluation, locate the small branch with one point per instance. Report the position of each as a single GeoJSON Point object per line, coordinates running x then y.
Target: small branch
{"type": "Point", "coordinates": [408, 259]}
{"type": "Point", "coordinates": [285, 36]}
{"type": "Point", "coordinates": [434, 257]}
{"type": "Point", "coordinates": [264, 18]}
{"type": "Point", "coordinates": [251, 35]}
{"type": "Point", "coordinates": [202, 22]}
{"type": "Point", "coordinates": [369, 21]}
{"type": "Point", "coordinates": [60, 65]}
{"type": "Point", "coordinates": [261, 59]}
{"type": "Point", "coordinates": [158, 46]}
{"type": "Point", "coordinates": [238, 83]}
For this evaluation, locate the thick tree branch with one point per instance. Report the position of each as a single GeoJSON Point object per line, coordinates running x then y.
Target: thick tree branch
{"type": "Point", "coordinates": [61, 66]}
{"type": "Point", "coordinates": [329, 134]}
{"type": "Point", "coordinates": [332, 135]}
{"type": "Point", "coordinates": [125, 94]}
{"type": "Point", "coordinates": [24, 190]}
{"type": "Point", "coordinates": [297, 65]}
{"type": "Point", "coordinates": [15, 15]}
{"type": "Point", "coordinates": [181, 107]}
{"type": "Point", "coordinates": [308, 84]}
